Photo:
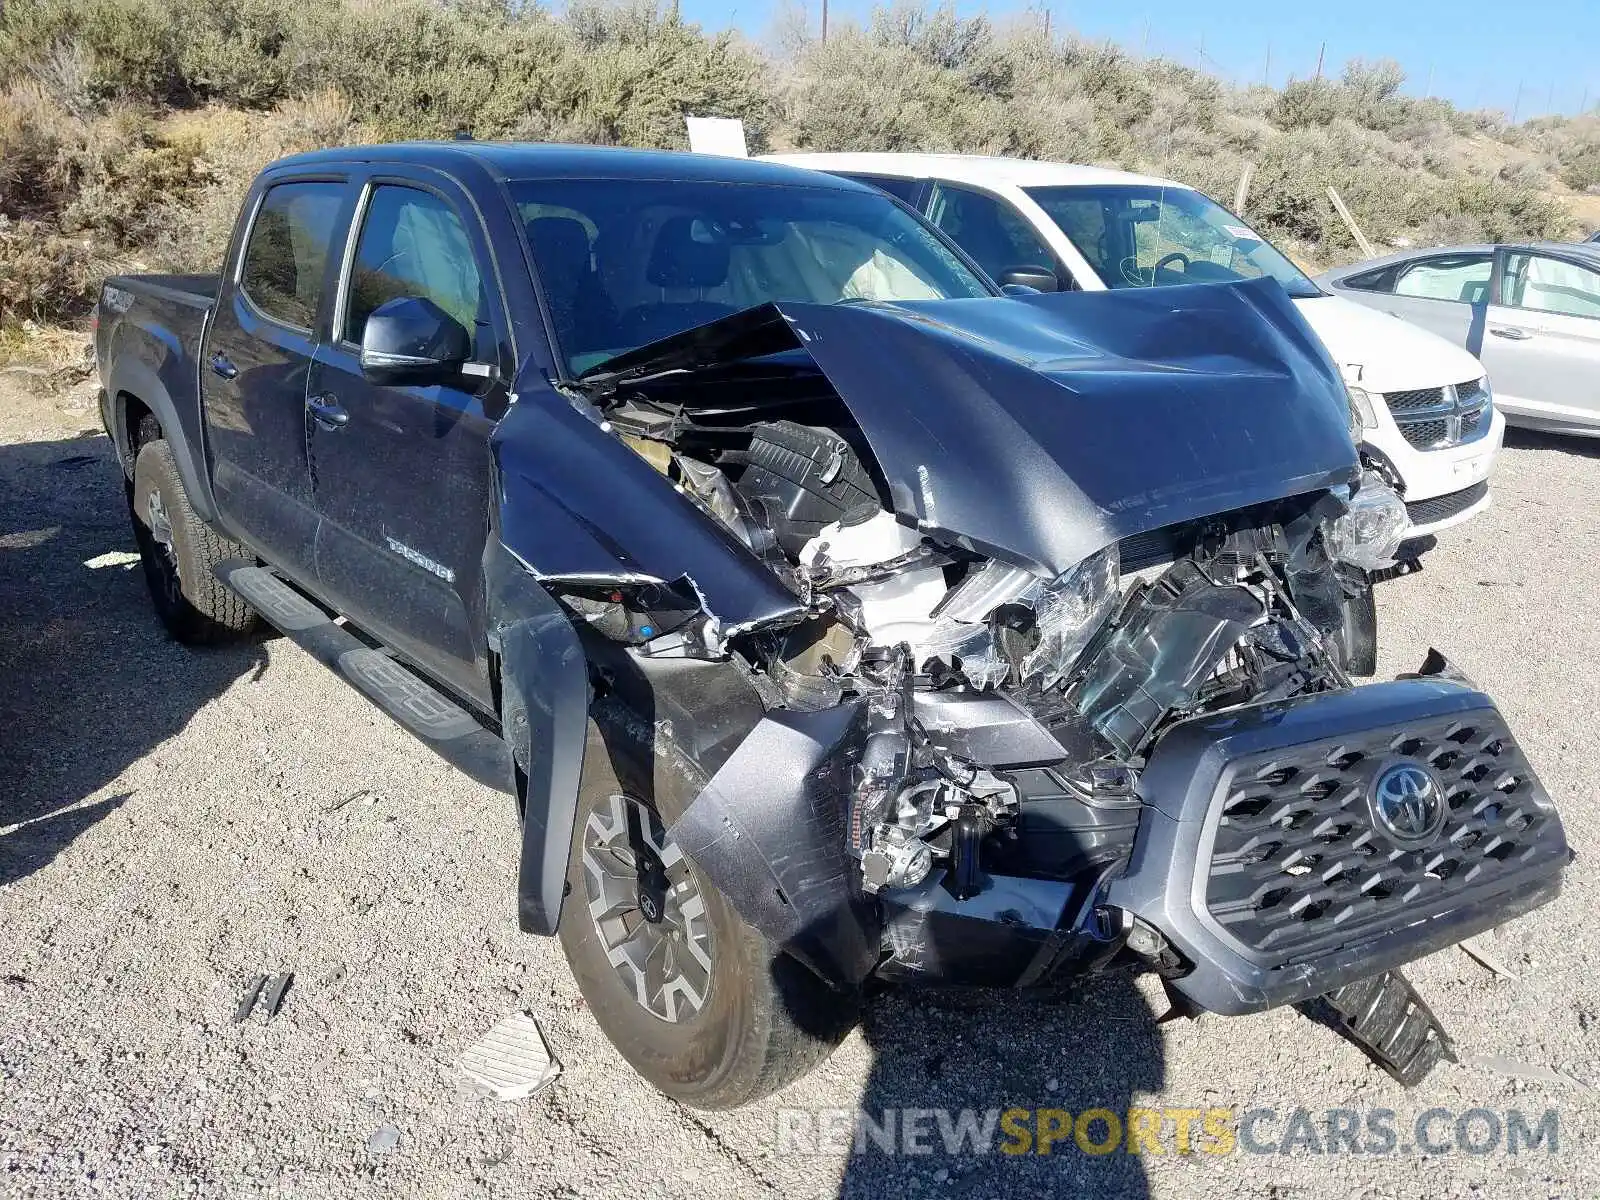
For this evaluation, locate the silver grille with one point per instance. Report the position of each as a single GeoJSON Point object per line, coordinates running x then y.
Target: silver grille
{"type": "Point", "coordinates": [1438, 418]}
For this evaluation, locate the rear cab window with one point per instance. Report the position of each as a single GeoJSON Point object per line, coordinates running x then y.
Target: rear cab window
{"type": "Point", "coordinates": [285, 258]}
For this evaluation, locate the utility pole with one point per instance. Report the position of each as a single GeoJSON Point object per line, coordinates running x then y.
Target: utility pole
{"type": "Point", "coordinates": [1266, 71]}
{"type": "Point", "coordinates": [824, 21]}
{"type": "Point", "coordinates": [1144, 42]}
{"type": "Point", "coordinates": [1550, 101]}
{"type": "Point", "coordinates": [1517, 106]}
{"type": "Point", "coordinates": [1427, 92]}
{"type": "Point", "coordinates": [1321, 50]}
{"type": "Point", "coordinates": [1047, 22]}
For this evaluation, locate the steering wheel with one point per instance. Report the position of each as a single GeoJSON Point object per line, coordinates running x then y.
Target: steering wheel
{"type": "Point", "coordinates": [1166, 258]}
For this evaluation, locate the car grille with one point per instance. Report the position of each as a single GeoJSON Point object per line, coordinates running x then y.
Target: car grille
{"type": "Point", "coordinates": [1298, 864]}
{"type": "Point", "coordinates": [1440, 508]}
{"type": "Point", "coordinates": [1437, 418]}
{"type": "Point", "coordinates": [1422, 398]}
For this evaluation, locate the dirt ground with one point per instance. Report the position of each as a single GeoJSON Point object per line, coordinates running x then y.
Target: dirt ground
{"type": "Point", "coordinates": [173, 823]}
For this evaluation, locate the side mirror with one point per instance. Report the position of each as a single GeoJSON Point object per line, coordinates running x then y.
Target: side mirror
{"type": "Point", "coordinates": [413, 342]}
{"type": "Point", "coordinates": [1040, 279]}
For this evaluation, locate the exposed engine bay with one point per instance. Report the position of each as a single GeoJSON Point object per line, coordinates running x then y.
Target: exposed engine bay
{"type": "Point", "coordinates": [998, 753]}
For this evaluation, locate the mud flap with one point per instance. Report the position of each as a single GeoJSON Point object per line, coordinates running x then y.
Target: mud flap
{"type": "Point", "coordinates": [544, 714]}
{"type": "Point", "coordinates": [768, 831]}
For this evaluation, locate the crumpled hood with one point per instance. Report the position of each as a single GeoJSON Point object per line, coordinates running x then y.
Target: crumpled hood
{"type": "Point", "coordinates": [1043, 428]}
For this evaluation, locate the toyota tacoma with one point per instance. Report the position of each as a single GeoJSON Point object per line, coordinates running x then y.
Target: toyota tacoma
{"type": "Point", "coordinates": [835, 618]}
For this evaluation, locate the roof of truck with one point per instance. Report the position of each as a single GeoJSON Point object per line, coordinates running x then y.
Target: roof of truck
{"type": "Point", "coordinates": [522, 160]}
{"type": "Point", "coordinates": [971, 168]}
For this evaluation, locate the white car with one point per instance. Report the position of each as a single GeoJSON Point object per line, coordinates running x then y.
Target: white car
{"type": "Point", "coordinates": [1530, 313]}
{"type": "Point", "coordinates": [1430, 425]}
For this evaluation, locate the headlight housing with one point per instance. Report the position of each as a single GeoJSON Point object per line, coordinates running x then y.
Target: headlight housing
{"type": "Point", "coordinates": [1363, 413]}
{"type": "Point", "coordinates": [1369, 533]}
{"type": "Point", "coordinates": [1068, 611]}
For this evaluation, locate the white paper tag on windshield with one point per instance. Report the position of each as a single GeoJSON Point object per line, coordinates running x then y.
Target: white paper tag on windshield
{"type": "Point", "coordinates": [1239, 231]}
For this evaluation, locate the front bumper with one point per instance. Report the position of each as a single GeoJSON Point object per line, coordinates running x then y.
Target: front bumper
{"type": "Point", "coordinates": [1260, 859]}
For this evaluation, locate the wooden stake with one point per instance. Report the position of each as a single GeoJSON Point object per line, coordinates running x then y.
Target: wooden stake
{"type": "Point", "coordinates": [1242, 192]}
{"type": "Point", "coordinates": [1367, 250]}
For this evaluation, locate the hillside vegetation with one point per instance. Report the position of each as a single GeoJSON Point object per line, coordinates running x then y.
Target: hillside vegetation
{"type": "Point", "coordinates": [130, 128]}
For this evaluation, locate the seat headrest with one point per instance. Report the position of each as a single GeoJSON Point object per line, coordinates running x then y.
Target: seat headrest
{"type": "Point", "coordinates": [688, 254]}
{"type": "Point", "coordinates": [561, 246]}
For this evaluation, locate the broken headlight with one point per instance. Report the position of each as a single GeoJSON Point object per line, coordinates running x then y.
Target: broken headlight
{"type": "Point", "coordinates": [1068, 611]}
{"type": "Point", "coordinates": [1369, 533]}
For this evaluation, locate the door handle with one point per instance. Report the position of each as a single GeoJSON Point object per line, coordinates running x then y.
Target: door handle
{"type": "Point", "coordinates": [1510, 331]}
{"type": "Point", "coordinates": [220, 365]}
{"type": "Point", "coordinates": [328, 413]}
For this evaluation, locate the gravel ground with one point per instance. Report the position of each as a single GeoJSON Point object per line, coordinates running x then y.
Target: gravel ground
{"type": "Point", "coordinates": [175, 823]}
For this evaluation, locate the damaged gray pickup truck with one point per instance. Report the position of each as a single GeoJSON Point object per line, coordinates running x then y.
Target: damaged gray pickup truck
{"type": "Point", "coordinates": [834, 618]}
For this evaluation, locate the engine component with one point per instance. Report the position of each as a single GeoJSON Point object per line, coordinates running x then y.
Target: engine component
{"type": "Point", "coordinates": [894, 860]}
{"type": "Point", "coordinates": [800, 478]}
{"type": "Point", "coordinates": [1369, 533]}
{"type": "Point", "coordinates": [891, 610]}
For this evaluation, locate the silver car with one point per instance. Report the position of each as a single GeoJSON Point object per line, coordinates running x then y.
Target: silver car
{"type": "Point", "coordinates": [1530, 313]}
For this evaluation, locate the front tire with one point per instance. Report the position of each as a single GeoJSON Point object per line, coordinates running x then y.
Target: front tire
{"type": "Point", "coordinates": [178, 551]}
{"type": "Point", "coordinates": [699, 1003]}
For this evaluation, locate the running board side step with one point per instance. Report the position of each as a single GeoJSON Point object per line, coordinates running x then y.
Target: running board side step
{"type": "Point", "coordinates": [446, 727]}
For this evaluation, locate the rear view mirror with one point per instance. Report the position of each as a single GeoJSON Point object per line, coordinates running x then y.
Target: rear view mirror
{"type": "Point", "coordinates": [1039, 279]}
{"type": "Point", "coordinates": [413, 342]}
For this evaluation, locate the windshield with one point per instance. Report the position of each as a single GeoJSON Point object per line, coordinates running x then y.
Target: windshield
{"type": "Point", "coordinates": [1146, 235]}
{"type": "Point", "coordinates": [626, 262]}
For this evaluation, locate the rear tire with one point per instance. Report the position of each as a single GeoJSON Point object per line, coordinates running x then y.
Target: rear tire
{"type": "Point", "coordinates": [178, 551]}
{"type": "Point", "coordinates": [737, 1018]}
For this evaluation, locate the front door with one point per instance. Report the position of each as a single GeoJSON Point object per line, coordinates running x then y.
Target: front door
{"type": "Point", "coordinates": [401, 475]}
{"type": "Point", "coordinates": [1542, 347]}
{"type": "Point", "coordinates": [255, 361]}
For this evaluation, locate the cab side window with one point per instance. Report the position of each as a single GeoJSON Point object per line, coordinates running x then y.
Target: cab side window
{"type": "Point", "coordinates": [1460, 277]}
{"type": "Point", "coordinates": [286, 258]}
{"type": "Point", "coordinates": [990, 231]}
{"type": "Point", "coordinates": [413, 244]}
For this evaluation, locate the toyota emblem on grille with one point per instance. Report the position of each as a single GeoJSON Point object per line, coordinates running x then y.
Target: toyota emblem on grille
{"type": "Point", "coordinates": [1408, 804]}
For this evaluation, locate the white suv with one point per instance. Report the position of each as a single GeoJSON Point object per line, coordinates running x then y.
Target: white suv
{"type": "Point", "coordinates": [1430, 424]}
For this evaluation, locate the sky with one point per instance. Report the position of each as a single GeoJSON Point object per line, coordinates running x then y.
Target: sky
{"type": "Point", "coordinates": [1526, 57]}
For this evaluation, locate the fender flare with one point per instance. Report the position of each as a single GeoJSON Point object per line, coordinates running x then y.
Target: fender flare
{"type": "Point", "coordinates": [135, 379]}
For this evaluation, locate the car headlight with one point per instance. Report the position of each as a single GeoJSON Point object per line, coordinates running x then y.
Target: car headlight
{"type": "Point", "coordinates": [1369, 533]}
{"type": "Point", "coordinates": [1068, 611]}
{"type": "Point", "coordinates": [1363, 414]}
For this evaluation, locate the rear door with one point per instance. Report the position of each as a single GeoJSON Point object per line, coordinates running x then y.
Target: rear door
{"type": "Point", "coordinates": [402, 485]}
{"type": "Point", "coordinates": [255, 361]}
{"type": "Point", "coordinates": [1543, 343]}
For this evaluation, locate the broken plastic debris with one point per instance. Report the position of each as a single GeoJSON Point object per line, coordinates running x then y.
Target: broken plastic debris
{"type": "Point", "coordinates": [252, 992]}
{"type": "Point", "coordinates": [384, 1139]}
{"type": "Point", "coordinates": [111, 558]}
{"type": "Point", "coordinates": [1501, 1065]}
{"type": "Point", "coordinates": [277, 986]}
{"type": "Point", "coordinates": [1474, 949]}
{"type": "Point", "coordinates": [512, 1061]}
{"type": "Point", "coordinates": [269, 993]}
